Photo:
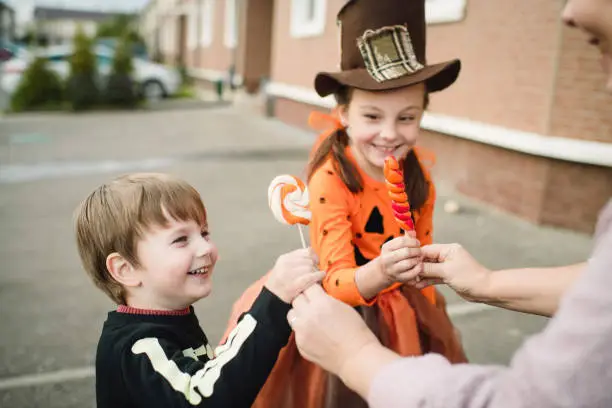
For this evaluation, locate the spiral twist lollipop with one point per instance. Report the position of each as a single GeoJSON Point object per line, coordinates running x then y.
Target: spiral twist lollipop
{"type": "Point", "coordinates": [289, 201]}
{"type": "Point", "coordinates": [394, 179]}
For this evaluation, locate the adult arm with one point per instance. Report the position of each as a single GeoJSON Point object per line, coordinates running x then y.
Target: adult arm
{"type": "Point", "coordinates": [530, 290]}
{"type": "Point", "coordinates": [567, 365]}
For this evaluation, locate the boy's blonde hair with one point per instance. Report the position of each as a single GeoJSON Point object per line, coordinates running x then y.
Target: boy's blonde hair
{"type": "Point", "coordinates": [116, 215]}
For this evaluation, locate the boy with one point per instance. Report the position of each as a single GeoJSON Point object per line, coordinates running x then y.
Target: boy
{"type": "Point", "coordinates": [144, 240]}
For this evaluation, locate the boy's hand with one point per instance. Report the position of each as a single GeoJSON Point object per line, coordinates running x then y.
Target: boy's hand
{"type": "Point", "coordinates": [400, 259]}
{"type": "Point", "coordinates": [293, 273]}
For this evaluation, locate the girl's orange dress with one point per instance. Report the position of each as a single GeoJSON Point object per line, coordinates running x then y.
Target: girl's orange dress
{"type": "Point", "coordinates": [348, 230]}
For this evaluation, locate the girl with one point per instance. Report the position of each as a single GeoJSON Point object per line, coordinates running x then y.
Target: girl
{"type": "Point", "coordinates": [382, 92]}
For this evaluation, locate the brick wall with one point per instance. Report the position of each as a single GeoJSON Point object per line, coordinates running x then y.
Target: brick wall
{"type": "Point", "coordinates": [297, 60]}
{"type": "Point", "coordinates": [582, 108]}
{"type": "Point", "coordinates": [541, 190]}
{"type": "Point", "coordinates": [575, 193]}
{"type": "Point", "coordinates": [507, 53]}
{"type": "Point", "coordinates": [216, 56]}
{"type": "Point", "coordinates": [255, 42]}
{"type": "Point", "coordinates": [509, 180]}
{"type": "Point", "coordinates": [295, 113]}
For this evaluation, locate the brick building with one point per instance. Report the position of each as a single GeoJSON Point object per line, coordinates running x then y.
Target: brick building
{"type": "Point", "coordinates": [527, 127]}
{"type": "Point", "coordinates": [59, 25]}
{"type": "Point", "coordinates": [199, 34]}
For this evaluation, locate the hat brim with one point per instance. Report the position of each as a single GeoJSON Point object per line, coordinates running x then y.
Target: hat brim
{"type": "Point", "coordinates": [437, 77]}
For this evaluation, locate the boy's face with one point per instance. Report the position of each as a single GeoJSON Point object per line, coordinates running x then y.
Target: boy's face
{"type": "Point", "coordinates": [176, 264]}
{"type": "Point", "coordinates": [594, 17]}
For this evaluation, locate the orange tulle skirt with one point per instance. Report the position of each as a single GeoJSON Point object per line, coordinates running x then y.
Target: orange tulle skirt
{"type": "Point", "coordinates": [404, 320]}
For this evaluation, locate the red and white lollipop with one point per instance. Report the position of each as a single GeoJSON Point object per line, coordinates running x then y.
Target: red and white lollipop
{"type": "Point", "coordinates": [289, 201]}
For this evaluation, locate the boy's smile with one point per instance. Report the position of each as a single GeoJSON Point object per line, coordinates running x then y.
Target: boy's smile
{"type": "Point", "coordinates": [176, 265]}
{"type": "Point", "coordinates": [201, 271]}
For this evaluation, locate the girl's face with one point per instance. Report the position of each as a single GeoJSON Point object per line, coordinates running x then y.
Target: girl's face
{"type": "Point", "coordinates": [380, 124]}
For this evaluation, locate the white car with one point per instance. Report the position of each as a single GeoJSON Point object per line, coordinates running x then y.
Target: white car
{"type": "Point", "coordinates": [156, 81]}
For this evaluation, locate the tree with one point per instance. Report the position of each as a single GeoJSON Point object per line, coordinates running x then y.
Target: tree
{"type": "Point", "coordinates": [81, 86]}
{"type": "Point", "coordinates": [120, 26]}
{"type": "Point", "coordinates": [121, 89]}
{"type": "Point", "coordinates": [38, 87]}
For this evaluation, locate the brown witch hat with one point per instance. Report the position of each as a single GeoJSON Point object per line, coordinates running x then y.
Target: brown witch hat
{"type": "Point", "coordinates": [383, 44]}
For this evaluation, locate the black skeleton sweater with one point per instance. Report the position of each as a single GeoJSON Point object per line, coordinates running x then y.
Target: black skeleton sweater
{"type": "Point", "coordinates": [166, 361]}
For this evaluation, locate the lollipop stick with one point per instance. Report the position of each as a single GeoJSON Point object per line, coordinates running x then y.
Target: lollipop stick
{"type": "Point", "coordinates": [408, 232]}
{"type": "Point", "coordinates": [302, 235]}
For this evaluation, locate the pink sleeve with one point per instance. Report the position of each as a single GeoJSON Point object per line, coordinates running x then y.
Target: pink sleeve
{"type": "Point", "coordinates": [566, 365]}
{"type": "Point", "coordinates": [431, 381]}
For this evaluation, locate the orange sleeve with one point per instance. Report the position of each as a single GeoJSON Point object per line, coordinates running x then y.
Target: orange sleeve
{"type": "Point", "coordinates": [331, 235]}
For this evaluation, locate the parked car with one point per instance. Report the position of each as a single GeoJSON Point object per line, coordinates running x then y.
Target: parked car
{"type": "Point", "coordinates": [5, 54]}
{"type": "Point", "coordinates": [138, 50]}
{"type": "Point", "coordinates": [155, 81]}
{"type": "Point", "coordinates": [9, 50]}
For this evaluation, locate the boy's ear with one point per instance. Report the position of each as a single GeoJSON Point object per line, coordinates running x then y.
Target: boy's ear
{"type": "Point", "coordinates": [121, 270]}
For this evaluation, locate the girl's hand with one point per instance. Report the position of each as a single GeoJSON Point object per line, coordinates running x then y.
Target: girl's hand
{"type": "Point", "coordinates": [400, 259]}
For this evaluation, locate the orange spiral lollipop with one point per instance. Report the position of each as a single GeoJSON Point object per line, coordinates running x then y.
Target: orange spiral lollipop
{"type": "Point", "coordinates": [394, 178]}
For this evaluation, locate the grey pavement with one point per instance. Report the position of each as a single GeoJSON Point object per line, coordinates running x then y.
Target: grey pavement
{"type": "Point", "coordinates": [52, 314]}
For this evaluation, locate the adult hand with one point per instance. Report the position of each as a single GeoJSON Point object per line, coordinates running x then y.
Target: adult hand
{"type": "Point", "coordinates": [452, 265]}
{"type": "Point", "coordinates": [327, 331]}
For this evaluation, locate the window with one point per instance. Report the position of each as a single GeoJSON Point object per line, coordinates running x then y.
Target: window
{"type": "Point", "coordinates": [231, 24]}
{"type": "Point", "coordinates": [308, 18]}
{"type": "Point", "coordinates": [444, 11]}
{"type": "Point", "coordinates": [206, 22]}
{"type": "Point", "coordinates": [310, 11]}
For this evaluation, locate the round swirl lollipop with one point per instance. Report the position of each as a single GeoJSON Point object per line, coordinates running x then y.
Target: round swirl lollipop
{"type": "Point", "coordinates": [288, 199]}
{"type": "Point", "coordinates": [394, 178]}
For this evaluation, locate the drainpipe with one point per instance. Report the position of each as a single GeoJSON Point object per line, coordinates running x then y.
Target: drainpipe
{"type": "Point", "coordinates": [269, 99]}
